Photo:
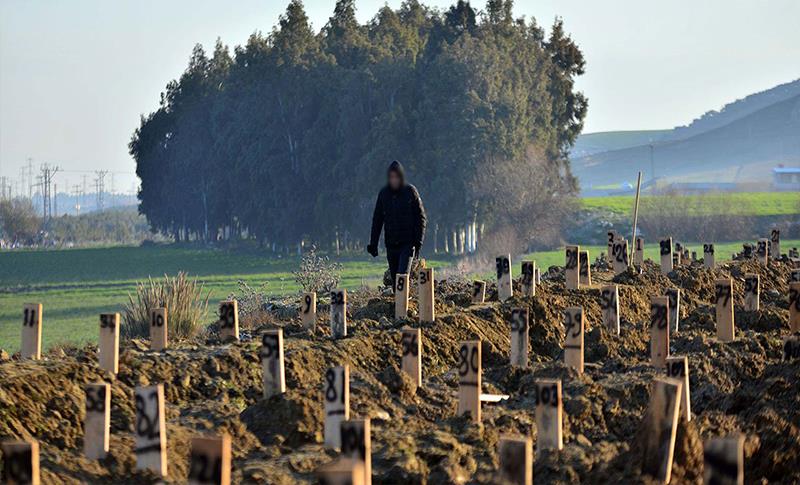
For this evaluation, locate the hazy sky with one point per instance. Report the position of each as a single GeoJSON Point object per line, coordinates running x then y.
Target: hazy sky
{"type": "Point", "coordinates": [76, 75]}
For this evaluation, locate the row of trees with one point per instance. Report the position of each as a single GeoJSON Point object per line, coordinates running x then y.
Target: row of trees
{"type": "Point", "coordinates": [287, 140]}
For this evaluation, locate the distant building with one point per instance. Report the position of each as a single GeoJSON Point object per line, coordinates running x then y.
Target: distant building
{"type": "Point", "coordinates": [786, 178]}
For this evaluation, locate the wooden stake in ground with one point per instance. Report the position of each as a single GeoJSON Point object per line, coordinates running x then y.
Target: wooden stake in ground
{"type": "Point", "coordinates": [150, 431]}
{"type": "Point", "coordinates": [794, 276]}
{"type": "Point", "coordinates": [723, 298]}
{"type": "Point", "coordinates": [775, 243]}
{"type": "Point", "coordinates": [659, 330]}
{"type": "Point", "coordinates": [20, 462]}
{"type": "Point", "coordinates": [338, 313]}
{"type": "Point", "coordinates": [585, 274]}
{"type": "Point", "coordinates": [636, 208]}
{"type": "Point", "coordinates": [638, 252]}
{"type": "Point", "coordinates": [401, 297]}
{"type": "Point", "coordinates": [108, 343]}
{"type": "Point", "coordinates": [342, 471]}
{"type": "Point", "coordinates": [31, 347]}
{"type": "Point", "coordinates": [337, 403]}
{"type": "Point", "coordinates": [478, 292]}
{"type": "Point", "coordinates": [528, 278]}
{"type": "Point", "coordinates": [708, 256]}
{"type": "Point", "coordinates": [660, 424]}
{"type": "Point", "coordinates": [229, 320]}
{"type": "Point", "coordinates": [538, 276]}
{"type": "Point", "coordinates": [272, 363]}
{"type": "Point", "coordinates": [571, 267]}
{"type": "Point", "coordinates": [665, 249]}
{"type": "Point", "coordinates": [96, 425]}
{"type": "Point", "coordinates": [752, 292]}
{"type": "Point", "coordinates": [612, 236]}
{"type": "Point", "coordinates": [210, 460]}
{"type": "Point", "coordinates": [762, 251]}
{"type": "Point", "coordinates": [308, 310]}
{"type": "Point", "coordinates": [469, 380]}
{"type": "Point", "coordinates": [678, 368]}
{"type": "Point", "coordinates": [674, 295]}
{"type": "Point", "coordinates": [412, 354]}
{"type": "Point", "coordinates": [573, 340]}
{"type": "Point", "coordinates": [620, 252]}
{"type": "Point", "coordinates": [609, 304]}
{"type": "Point", "coordinates": [794, 307]}
{"type": "Point", "coordinates": [549, 414]}
{"type": "Point", "coordinates": [426, 295]}
{"type": "Point", "coordinates": [791, 348]}
{"type": "Point", "coordinates": [505, 288]}
{"type": "Point", "coordinates": [723, 461]}
{"type": "Point", "coordinates": [516, 460]}
{"type": "Point", "coordinates": [357, 444]}
{"type": "Point", "coordinates": [158, 329]}
{"type": "Point", "coordinates": [519, 337]}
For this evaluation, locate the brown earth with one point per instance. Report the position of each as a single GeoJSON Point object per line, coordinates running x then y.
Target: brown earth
{"type": "Point", "coordinates": [416, 438]}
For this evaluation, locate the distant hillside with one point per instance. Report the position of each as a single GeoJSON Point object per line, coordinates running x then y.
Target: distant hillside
{"type": "Point", "coordinates": [592, 143]}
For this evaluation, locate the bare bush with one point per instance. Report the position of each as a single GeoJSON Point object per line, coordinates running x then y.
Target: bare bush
{"type": "Point", "coordinates": [317, 273]}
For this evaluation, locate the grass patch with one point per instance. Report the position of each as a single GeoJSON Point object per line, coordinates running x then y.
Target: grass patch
{"type": "Point", "coordinates": [741, 203]}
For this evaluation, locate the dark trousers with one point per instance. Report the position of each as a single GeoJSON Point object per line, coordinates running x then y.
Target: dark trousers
{"type": "Point", "coordinates": [400, 259]}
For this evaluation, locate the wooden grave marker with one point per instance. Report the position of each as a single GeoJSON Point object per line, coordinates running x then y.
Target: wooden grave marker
{"type": "Point", "coordinates": [478, 292]}
{"type": "Point", "coordinates": [426, 296]}
{"type": "Point", "coordinates": [401, 297]}
{"type": "Point", "coordinates": [794, 307]}
{"type": "Point", "coordinates": [665, 249]}
{"type": "Point", "coordinates": [108, 343]}
{"type": "Point", "coordinates": [674, 295]}
{"type": "Point", "coordinates": [537, 275]}
{"type": "Point", "coordinates": [638, 252]}
{"type": "Point", "coordinates": [528, 278]}
{"type": "Point", "coordinates": [723, 298]}
{"type": "Point", "coordinates": [97, 423]}
{"type": "Point", "coordinates": [342, 471]}
{"type": "Point", "coordinates": [469, 380]}
{"type": "Point", "coordinates": [337, 403]}
{"type": "Point", "coordinates": [794, 276]}
{"type": "Point", "coordinates": [708, 256]}
{"type": "Point", "coordinates": [762, 251]}
{"type": "Point", "coordinates": [31, 344]}
{"type": "Point", "coordinates": [572, 267]}
{"type": "Point", "coordinates": [150, 429]}
{"type": "Point", "coordinates": [357, 444]}
{"type": "Point", "coordinates": [694, 256]}
{"type": "Point", "coordinates": [723, 461]}
{"type": "Point", "coordinates": [210, 460]}
{"type": "Point", "coordinates": [659, 330]}
{"type": "Point", "coordinates": [549, 414]}
{"type": "Point", "coordinates": [585, 273]}
{"type": "Point", "coordinates": [676, 259]}
{"type": "Point", "coordinates": [748, 251]}
{"type": "Point", "coordinates": [411, 364]}
{"type": "Point", "coordinates": [620, 261]}
{"type": "Point", "coordinates": [660, 425]}
{"type": "Point", "coordinates": [752, 292]}
{"type": "Point", "coordinates": [609, 305]}
{"type": "Point", "coordinates": [229, 320]}
{"type": "Point", "coordinates": [20, 462]}
{"type": "Point", "coordinates": [273, 372]}
{"type": "Point", "coordinates": [791, 348]}
{"type": "Point", "coordinates": [516, 460]}
{"type": "Point", "coordinates": [338, 313]}
{"type": "Point", "coordinates": [678, 368]}
{"type": "Point", "coordinates": [519, 337]}
{"type": "Point", "coordinates": [308, 311]}
{"type": "Point", "coordinates": [505, 284]}
{"type": "Point", "coordinates": [159, 337]}
{"type": "Point", "coordinates": [573, 340]}
{"type": "Point", "coordinates": [612, 236]}
{"type": "Point", "coordinates": [678, 248]}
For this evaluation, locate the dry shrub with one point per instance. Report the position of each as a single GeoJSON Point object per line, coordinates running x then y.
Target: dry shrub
{"type": "Point", "coordinates": [253, 305]}
{"type": "Point", "coordinates": [317, 273]}
{"type": "Point", "coordinates": [183, 298]}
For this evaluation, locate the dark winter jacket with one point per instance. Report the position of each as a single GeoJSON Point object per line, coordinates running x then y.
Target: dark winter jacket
{"type": "Point", "coordinates": [401, 214]}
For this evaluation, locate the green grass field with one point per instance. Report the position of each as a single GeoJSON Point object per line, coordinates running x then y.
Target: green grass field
{"type": "Point", "coordinates": [741, 203]}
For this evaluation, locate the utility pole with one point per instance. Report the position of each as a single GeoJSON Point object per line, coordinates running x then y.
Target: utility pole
{"type": "Point", "coordinates": [30, 178]}
{"type": "Point", "coordinates": [83, 192]}
{"type": "Point", "coordinates": [48, 173]}
{"type": "Point", "coordinates": [76, 193]}
{"type": "Point", "coordinates": [100, 187]}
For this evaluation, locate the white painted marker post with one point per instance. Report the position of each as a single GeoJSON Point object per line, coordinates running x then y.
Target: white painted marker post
{"type": "Point", "coordinates": [108, 343]}
{"type": "Point", "coordinates": [337, 403]}
{"type": "Point", "coordinates": [411, 364]}
{"type": "Point", "coordinates": [505, 286]}
{"type": "Point", "coordinates": [528, 278]}
{"type": "Point", "coordinates": [272, 363]}
{"type": "Point", "coordinates": [229, 320]}
{"type": "Point", "coordinates": [674, 295]}
{"type": "Point", "coordinates": [519, 337]}
{"type": "Point", "coordinates": [665, 248]}
{"type": "Point", "coordinates": [659, 330]}
{"type": "Point", "coordinates": [516, 460]}
{"type": "Point", "coordinates": [469, 380]}
{"type": "Point", "coordinates": [794, 307]}
{"type": "Point", "coordinates": [620, 261]}
{"type": "Point", "coordinates": [573, 340]}
{"type": "Point", "coordinates": [585, 273]}
{"type": "Point", "coordinates": [338, 313]}
{"type": "Point", "coordinates": [20, 462]}
{"type": "Point", "coordinates": [158, 329]}
{"type": "Point", "coordinates": [609, 304]}
{"type": "Point", "coordinates": [638, 252]}
{"type": "Point", "coordinates": [31, 347]}
{"type": "Point", "coordinates": [661, 423]}
{"type": "Point", "coordinates": [150, 430]}
{"type": "Point", "coordinates": [96, 425]}
{"type": "Point", "coordinates": [210, 460]}
{"type": "Point", "coordinates": [708, 256]}
{"type": "Point", "coordinates": [775, 243]}
{"type": "Point", "coordinates": [762, 251]}
{"type": "Point", "coordinates": [308, 311]}
{"type": "Point", "coordinates": [549, 414]}
{"type": "Point", "coordinates": [401, 297]}
{"type": "Point", "coordinates": [478, 292]}
{"type": "Point", "coordinates": [571, 267]}
{"type": "Point", "coordinates": [723, 298]}
{"type": "Point", "coordinates": [752, 292]}
{"type": "Point", "coordinates": [678, 368]}
{"type": "Point", "coordinates": [426, 295]}
{"type": "Point", "coordinates": [357, 444]}
{"type": "Point", "coordinates": [723, 461]}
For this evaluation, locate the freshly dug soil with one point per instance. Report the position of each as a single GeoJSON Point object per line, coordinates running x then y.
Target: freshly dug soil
{"type": "Point", "coordinates": [213, 387]}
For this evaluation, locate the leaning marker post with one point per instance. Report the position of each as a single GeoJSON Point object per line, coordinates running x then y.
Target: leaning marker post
{"type": "Point", "coordinates": [678, 368]}
{"type": "Point", "coordinates": [31, 347]}
{"type": "Point", "coordinates": [660, 425]}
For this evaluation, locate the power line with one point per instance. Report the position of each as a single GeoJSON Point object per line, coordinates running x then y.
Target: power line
{"type": "Point", "coordinates": [100, 187]}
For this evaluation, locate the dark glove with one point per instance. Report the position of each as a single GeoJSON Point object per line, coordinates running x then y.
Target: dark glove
{"type": "Point", "coordinates": [372, 249]}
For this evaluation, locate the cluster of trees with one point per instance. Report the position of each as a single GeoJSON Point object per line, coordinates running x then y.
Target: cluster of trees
{"type": "Point", "coordinates": [287, 140]}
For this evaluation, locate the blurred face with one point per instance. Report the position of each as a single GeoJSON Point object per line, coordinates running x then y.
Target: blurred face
{"type": "Point", "coordinates": [394, 180]}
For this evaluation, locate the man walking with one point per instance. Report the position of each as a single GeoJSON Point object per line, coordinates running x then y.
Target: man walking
{"type": "Point", "coordinates": [399, 212]}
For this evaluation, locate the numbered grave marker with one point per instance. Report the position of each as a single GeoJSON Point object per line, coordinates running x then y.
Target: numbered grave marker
{"type": "Point", "coordinates": [505, 286]}
{"type": "Point", "coordinates": [723, 298]}
{"type": "Point", "coordinates": [516, 460]}
{"type": "Point", "coordinates": [676, 259]}
{"type": "Point", "coordinates": [723, 461]}
{"type": "Point", "coordinates": [794, 276]}
{"type": "Point", "coordinates": [401, 297]}
{"type": "Point", "coordinates": [150, 430]}
{"type": "Point", "coordinates": [659, 330]}
{"type": "Point", "coordinates": [342, 471]}
{"type": "Point", "coordinates": [549, 414]}
{"type": "Point", "coordinates": [96, 425]}
{"type": "Point", "coordinates": [210, 460]}
{"type": "Point", "coordinates": [31, 347]}
{"type": "Point", "coordinates": [748, 251]}
{"type": "Point", "coordinates": [694, 256]}
{"type": "Point", "coordinates": [794, 307]}
{"type": "Point", "coordinates": [775, 243]}
{"type": "Point", "coordinates": [528, 279]}
{"type": "Point", "coordinates": [412, 354]}
{"type": "Point", "coordinates": [108, 343]}
{"type": "Point", "coordinates": [337, 403]}
{"type": "Point", "coordinates": [762, 251]}
{"type": "Point", "coordinates": [678, 248]}
{"type": "Point", "coordinates": [478, 292]}
{"type": "Point", "coordinates": [519, 337]}
{"type": "Point", "coordinates": [674, 295]}
{"type": "Point", "coordinates": [20, 462]}
{"type": "Point", "coordinates": [158, 329]}
{"type": "Point", "coordinates": [571, 267]}
{"type": "Point", "coordinates": [791, 348]}
{"type": "Point", "coordinates": [585, 274]}
{"type": "Point", "coordinates": [612, 236]}
{"type": "Point", "coordinates": [469, 380]}
{"type": "Point", "coordinates": [338, 313]}
{"type": "Point", "coordinates": [272, 363]}
{"type": "Point", "coordinates": [609, 304]}
{"type": "Point", "coordinates": [661, 422]}
{"type": "Point", "coordinates": [665, 249]}
{"type": "Point", "coordinates": [229, 320]}
{"type": "Point", "coordinates": [752, 292]}
{"type": "Point", "coordinates": [357, 444]}
{"type": "Point", "coordinates": [426, 295]}
{"type": "Point", "coordinates": [538, 274]}
{"type": "Point", "coordinates": [620, 262]}
{"type": "Point", "coordinates": [573, 340]}
{"type": "Point", "coordinates": [708, 256]}
{"type": "Point", "coordinates": [308, 310]}
{"type": "Point", "coordinates": [678, 368]}
{"type": "Point", "coordinates": [638, 252]}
